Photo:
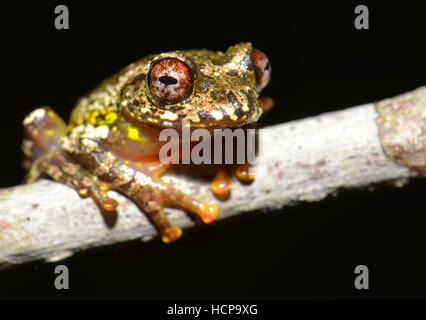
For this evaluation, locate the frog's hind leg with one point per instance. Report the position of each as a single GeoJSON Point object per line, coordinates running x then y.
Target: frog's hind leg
{"type": "Point", "coordinates": [140, 181]}
{"type": "Point", "coordinates": [43, 130]}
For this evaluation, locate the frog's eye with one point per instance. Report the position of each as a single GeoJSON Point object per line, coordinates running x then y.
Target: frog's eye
{"type": "Point", "coordinates": [170, 80]}
{"type": "Point", "coordinates": [262, 68]}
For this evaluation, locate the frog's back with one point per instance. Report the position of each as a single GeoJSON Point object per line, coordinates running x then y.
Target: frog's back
{"type": "Point", "coordinates": [101, 105]}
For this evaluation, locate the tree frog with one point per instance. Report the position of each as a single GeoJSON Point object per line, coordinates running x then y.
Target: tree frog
{"type": "Point", "coordinates": [112, 139]}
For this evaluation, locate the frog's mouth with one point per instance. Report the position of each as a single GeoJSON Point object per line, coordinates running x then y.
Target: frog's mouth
{"type": "Point", "coordinates": [214, 117]}
{"type": "Point", "coordinates": [224, 117]}
{"type": "Point", "coordinates": [230, 110]}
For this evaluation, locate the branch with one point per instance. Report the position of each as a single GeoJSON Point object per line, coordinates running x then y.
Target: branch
{"type": "Point", "coordinates": [303, 160]}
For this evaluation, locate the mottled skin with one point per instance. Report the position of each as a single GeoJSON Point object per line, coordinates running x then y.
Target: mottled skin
{"type": "Point", "coordinates": [111, 142]}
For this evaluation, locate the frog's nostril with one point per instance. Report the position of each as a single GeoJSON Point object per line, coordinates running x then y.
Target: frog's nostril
{"type": "Point", "coordinates": [166, 80]}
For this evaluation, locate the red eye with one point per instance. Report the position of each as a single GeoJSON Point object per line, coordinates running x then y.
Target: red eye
{"type": "Point", "coordinates": [262, 68]}
{"type": "Point", "coordinates": [170, 80]}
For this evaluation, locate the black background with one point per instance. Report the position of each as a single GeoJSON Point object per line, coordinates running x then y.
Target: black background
{"type": "Point", "coordinates": [320, 63]}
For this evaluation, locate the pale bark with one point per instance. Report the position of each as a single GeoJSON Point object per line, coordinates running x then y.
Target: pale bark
{"type": "Point", "coordinates": [304, 160]}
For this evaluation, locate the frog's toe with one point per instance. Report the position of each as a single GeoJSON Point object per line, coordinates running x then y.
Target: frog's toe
{"type": "Point", "coordinates": [245, 173]}
{"type": "Point", "coordinates": [100, 196]}
{"type": "Point", "coordinates": [155, 213]}
{"type": "Point", "coordinates": [98, 190]}
{"type": "Point", "coordinates": [171, 234]}
{"type": "Point", "coordinates": [209, 213]}
{"type": "Point", "coordinates": [221, 185]}
{"type": "Point", "coordinates": [109, 204]}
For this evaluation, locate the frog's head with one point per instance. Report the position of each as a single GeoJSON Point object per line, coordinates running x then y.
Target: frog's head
{"type": "Point", "coordinates": [205, 88]}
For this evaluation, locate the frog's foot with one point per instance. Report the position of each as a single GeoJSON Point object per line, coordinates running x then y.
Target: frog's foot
{"type": "Point", "coordinates": [157, 195]}
{"type": "Point", "coordinates": [153, 196]}
{"type": "Point", "coordinates": [170, 233]}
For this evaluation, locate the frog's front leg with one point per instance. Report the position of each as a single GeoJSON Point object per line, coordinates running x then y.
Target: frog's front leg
{"type": "Point", "coordinates": [140, 181]}
{"type": "Point", "coordinates": [152, 194]}
{"type": "Point", "coordinates": [81, 161]}
{"type": "Point", "coordinates": [143, 185]}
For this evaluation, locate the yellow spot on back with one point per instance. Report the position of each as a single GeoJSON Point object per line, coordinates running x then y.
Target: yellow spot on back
{"type": "Point", "coordinates": [111, 117]}
{"type": "Point", "coordinates": [133, 133]}
{"type": "Point", "coordinates": [93, 117]}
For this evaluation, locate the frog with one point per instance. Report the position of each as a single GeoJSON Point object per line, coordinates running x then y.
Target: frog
{"type": "Point", "coordinates": [111, 141]}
